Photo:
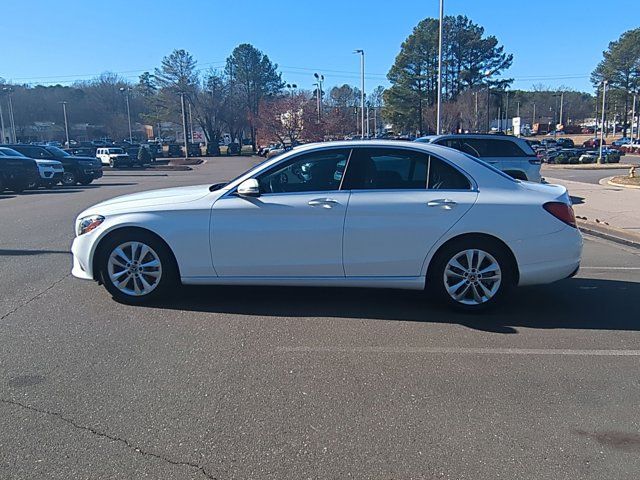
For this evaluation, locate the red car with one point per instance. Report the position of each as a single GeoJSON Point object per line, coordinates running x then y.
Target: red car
{"type": "Point", "coordinates": [593, 143]}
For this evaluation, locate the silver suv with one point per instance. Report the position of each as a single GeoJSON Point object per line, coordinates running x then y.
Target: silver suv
{"type": "Point", "coordinates": [514, 156]}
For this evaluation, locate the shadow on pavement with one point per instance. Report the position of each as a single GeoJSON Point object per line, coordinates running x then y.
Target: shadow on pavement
{"type": "Point", "coordinates": [28, 253]}
{"type": "Point", "coordinates": [576, 200]}
{"type": "Point", "coordinates": [577, 303]}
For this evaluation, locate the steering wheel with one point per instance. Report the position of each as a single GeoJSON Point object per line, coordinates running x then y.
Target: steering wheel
{"type": "Point", "coordinates": [277, 182]}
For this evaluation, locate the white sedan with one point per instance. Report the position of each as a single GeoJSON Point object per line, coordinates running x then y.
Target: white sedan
{"type": "Point", "coordinates": [343, 214]}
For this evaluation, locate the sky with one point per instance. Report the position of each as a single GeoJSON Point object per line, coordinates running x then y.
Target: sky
{"type": "Point", "coordinates": [554, 42]}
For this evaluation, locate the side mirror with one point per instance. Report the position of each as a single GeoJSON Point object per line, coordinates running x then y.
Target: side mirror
{"type": "Point", "coordinates": [249, 188]}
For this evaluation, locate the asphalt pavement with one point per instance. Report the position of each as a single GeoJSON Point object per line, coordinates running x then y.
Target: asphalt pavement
{"type": "Point", "coordinates": [274, 383]}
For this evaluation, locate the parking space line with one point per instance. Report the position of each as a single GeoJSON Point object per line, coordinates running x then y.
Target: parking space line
{"type": "Point", "coordinates": [609, 268]}
{"type": "Point", "coordinates": [463, 351]}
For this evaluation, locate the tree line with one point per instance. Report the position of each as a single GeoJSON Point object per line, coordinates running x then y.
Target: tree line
{"type": "Point", "coordinates": [249, 99]}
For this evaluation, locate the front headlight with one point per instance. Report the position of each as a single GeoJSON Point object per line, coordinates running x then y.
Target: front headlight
{"type": "Point", "coordinates": [86, 224]}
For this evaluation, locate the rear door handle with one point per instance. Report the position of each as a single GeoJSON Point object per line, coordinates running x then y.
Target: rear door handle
{"type": "Point", "coordinates": [323, 202]}
{"type": "Point", "coordinates": [442, 202]}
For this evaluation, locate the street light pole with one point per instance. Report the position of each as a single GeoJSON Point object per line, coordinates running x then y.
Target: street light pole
{"type": "Point", "coordinates": [633, 115]}
{"type": "Point", "coordinates": [66, 123]}
{"type": "Point", "coordinates": [126, 93]}
{"type": "Point", "coordinates": [561, 107]}
{"type": "Point", "coordinates": [4, 137]}
{"type": "Point", "coordinates": [320, 79]}
{"type": "Point", "coordinates": [184, 127]}
{"type": "Point", "coordinates": [439, 101]}
{"type": "Point", "coordinates": [361, 52]}
{"type": "Point", "coordinates": [12, 122]}
{"type": "Point", "coordinates": [604, 98]}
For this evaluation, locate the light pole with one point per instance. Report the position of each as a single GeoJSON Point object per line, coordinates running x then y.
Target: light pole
{"type": "Point", "coordinates": [439, 101]}
{"type": "Point", "coordinates": [66, 123]}
{"type": "Point", "coordinates": [361, 52]}
{"type": "Point", "coordinates": [12, 121]}
{"type": "Point", "coordinates": [184, 126]}
{"type": "Point", "coordinates": [561, 108]}
{"type": "Point", "coordinates": [633, 116]}
{"type": "Point", "coordinates": [604, 99]}
{"type": "Point", "coordinates": [4, 137]}
{"type": "Point", "coordinates": [367, 120]}
{"type": "Point", "coordinates": [126, 93]}
{"type": "Point", "coordinates": [320, 79]}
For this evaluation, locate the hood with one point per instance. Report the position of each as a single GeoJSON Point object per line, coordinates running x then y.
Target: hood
{"type": "Point", "coordinates": [48, 163]}
{"type": "Point", "coordinates": [153, 198]}
{"type": "Point", "coordinates": [85, 159]}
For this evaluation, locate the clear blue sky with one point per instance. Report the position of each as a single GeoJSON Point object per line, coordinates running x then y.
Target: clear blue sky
{"type": "Point", "coordinates": [554, 42]}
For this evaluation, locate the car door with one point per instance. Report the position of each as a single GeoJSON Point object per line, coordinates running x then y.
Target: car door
{"type": "Point", "coordinates": [393, 219]}
{"type": "Point", "coordinates": [292, 229]}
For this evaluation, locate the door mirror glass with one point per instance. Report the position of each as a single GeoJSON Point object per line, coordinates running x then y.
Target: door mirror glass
{"type": "Point", "coordinates": [249, 188]}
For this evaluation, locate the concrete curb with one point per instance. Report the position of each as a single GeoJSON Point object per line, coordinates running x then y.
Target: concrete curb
{"type": "Point", "coordinates": [588, 166]}
{"type": "Point", "coordinates": [615, 184]}
{"type": "Point", "coordinates": [607, 232]}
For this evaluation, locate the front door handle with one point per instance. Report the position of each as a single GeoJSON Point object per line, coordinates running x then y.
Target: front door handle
{"type": "Point", "coordinates": [322, 202]}
{"type": "Point", "coordinates": [442, 202]}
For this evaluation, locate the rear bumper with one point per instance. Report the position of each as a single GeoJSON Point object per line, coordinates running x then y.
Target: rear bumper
{"type": "Point", "coordinates": [549, 258]}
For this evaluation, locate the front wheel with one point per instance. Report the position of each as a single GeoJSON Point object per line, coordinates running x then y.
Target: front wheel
{"type": "Point", "coordinates": [69, 178]}
{"type": "Point", "coordinates": [137, 268]}
{"type": "Point", "coordinates": [472, 275]}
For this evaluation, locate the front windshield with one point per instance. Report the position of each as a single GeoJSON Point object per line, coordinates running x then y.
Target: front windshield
{"type": "Point", "coordinates": [57, 152]}
{"type": "Point", "coordinates": [116, 150]}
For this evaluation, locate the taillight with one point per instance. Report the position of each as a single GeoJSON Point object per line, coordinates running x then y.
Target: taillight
{"type": "Point", "coordinates": [562, 212]}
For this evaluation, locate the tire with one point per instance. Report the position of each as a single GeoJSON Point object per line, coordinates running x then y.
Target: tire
{"type": "Point", "coordinates": [86, 181]}
{"type": "Point", "coordinates": [473, 293]}
{"type": "Point", "coordinates": [112, 163]}
{"type": "Point", "coordinates": [69, 179]}
{"type": "Point", "coordinates": [121, 252]}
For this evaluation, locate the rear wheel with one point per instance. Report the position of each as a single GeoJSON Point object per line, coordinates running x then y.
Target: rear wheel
{"type": "Point", "coordinates": [472, 274]}
{"type": "Point", "coordinates": [136, 267]}
{"type": "Point", "coordinates": [112, 163]}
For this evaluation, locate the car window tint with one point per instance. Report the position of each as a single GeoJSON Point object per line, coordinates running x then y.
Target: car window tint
{"type": "Point", "coordinates": [443, 176]}
{"type": "Point", "coordinates": [386, 168]}
{"type": "Point", "coordinates": [312, 172]}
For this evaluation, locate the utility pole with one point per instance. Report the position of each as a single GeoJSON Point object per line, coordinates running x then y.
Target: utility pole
{"type": "Point", "coordinates": [12, 121]}
{"type": "Point", "coordinates": [633, 116]}
{"type": "Point", "coordinates": [439, 102]}
{"type": "Point", "coordinates": [126, 94]}
{"type": "Point", "coordinates": [604, 99]}
{"type": "Point", "coordinates": [66, 123]}
{"type": "Point", "coordinates": [533, 117]}
{"type": "Point", "coordinates": [4, 137]}
{"type": "Point", "coordinates": [320, 78]}
{"type": "Point", "coordinates": [361, 52]}
{"type": "Point", "coordinates": [476, 112]}
{"type": "Point", "coordinates": [375, 123]}
{"type": "Point", "coordinates": [561, 105]}
{"type": "Point", "coordinates": [184, 126]}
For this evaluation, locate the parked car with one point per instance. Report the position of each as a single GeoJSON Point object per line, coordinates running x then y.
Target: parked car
{"type": "Point", "coordinates": [50, 171]}
{"type": "Point", "coordinates": [114, 157]}
{"type": "Point", "coordinates": [234, 148]}
{"type": "Point", "coordinates": [350, 214]}
{"type": "Point", "coordinates": [565, 143]}
{"type": "Point", "coordinates": [17, 173]}
{"type": "Point", "coordinates": [512, 155]}
{"type": "Point", "coordinates": [593, 143]}
{"type": "Point", "coordinates": [77, 169]}
{"type": "Point", "coordinates": [621, 141]}
{"type": "Point", "coordinates": [174, 150]}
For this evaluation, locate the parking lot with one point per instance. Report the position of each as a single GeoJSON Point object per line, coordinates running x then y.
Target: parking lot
{"type": "Point", "coordinates": [232, 382]}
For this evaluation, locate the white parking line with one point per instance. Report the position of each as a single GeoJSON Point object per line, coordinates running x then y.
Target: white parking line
{"type": "Point", "coordinates": [463, 351]}
{"type": "Point", "coordinates": [609, 268]}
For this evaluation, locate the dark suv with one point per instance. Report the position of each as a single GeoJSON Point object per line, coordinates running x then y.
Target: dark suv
{"type": "Point", "coordinates": [83, 170]}
{"type": "Point", "coordinates": [17, 173]}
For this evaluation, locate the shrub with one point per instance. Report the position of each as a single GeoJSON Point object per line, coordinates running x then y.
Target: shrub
{"type": "Point", "coordinates": [612, 158]}
{"type": "Point", "coordinates": [574, 160]}
{"type": "Point", "coordinates": [587, 159]}
{"type": "Point", "coordinates": [562, 159]}
{"type": "Point", "coordinates": [144, 156]}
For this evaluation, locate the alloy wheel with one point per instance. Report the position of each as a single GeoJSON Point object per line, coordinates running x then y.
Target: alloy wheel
{"type": "Point", "coordinates": [134, 268]}
{"type": "Point", "coordinates": [472, 277]}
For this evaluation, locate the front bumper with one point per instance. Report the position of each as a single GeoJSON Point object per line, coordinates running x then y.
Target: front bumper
{"type": "Point", "coordinates": [81, 250]}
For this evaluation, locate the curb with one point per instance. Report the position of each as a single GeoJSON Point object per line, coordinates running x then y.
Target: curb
{"type": "Point", "coordinates": [608, 166]}
{"type": "Point", "coordinates": [615, 184]}
{"type": "Point", "coordinates": [612, 234]}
